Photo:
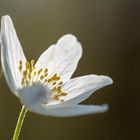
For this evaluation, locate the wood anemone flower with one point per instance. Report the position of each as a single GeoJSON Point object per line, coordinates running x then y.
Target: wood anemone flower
{"type": "Point", "coordinates": [45, 87]}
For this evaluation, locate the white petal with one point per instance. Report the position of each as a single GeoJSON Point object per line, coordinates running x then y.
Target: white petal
{"type": "Point", "coordinates": [81, 88]}
{"type": "Point", "coordinates": [33, 98]}
{"type": "Point", "coordinates": [11, 54]}
{"type": "Point", "coordinates": [68, 111]}
{"type": "Point", "coordinates": [61, 58]}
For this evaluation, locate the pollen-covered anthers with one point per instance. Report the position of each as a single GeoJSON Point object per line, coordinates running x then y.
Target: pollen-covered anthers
{"type": "Point", "coordinates": [32, 76]}
{"type": "Point", "coordinates": [43, 75]}
{"type": "Point", "coordinates": [56, 86]}
{"type": "Point", "coordinates": [59, 95]}
{"type": "Point", "coordinates": [20, 65]}
{"type": "Point", "coordinates": [26, 72]}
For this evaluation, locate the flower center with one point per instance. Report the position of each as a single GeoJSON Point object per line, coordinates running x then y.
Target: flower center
{"type": "Point", "coordinates": [31, 76]}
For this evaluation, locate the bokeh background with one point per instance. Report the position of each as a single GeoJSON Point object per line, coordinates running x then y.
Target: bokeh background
{"type": "Point", "coordinates": [109, 31]}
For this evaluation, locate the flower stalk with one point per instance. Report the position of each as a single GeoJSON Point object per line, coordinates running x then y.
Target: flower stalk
{"type": "Point", "coordinates": [19, 123]}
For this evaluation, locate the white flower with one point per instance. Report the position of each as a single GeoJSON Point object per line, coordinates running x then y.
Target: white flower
{"type": "Point", "coordinates": [45, 87]}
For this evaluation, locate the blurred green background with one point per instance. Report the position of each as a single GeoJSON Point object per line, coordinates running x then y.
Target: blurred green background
{"type": "Point", "coordinates": [109, 32]}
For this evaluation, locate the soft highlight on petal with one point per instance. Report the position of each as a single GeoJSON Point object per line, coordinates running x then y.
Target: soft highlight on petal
{"type": "Point", "coordinates": [33, 95]}
{"type": "Point", "coordinates": [11, 54]}
{"type": "Point", "coordinates": [61, 58]}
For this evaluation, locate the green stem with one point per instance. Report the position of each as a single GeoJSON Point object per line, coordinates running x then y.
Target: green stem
{"type": "Point", "coordinates": [19, 123]}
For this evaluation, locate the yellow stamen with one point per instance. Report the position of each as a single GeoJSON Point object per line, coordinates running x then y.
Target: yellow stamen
{"type": "Point", "coordinates": [60, 83]}
{"type": "Point", "coordinates": [56, 97]}
{"type": "Point", "coordinates": [39, 71]}
{"type": "Point", "coordinates": [49, 80]}
{"type": "Point", "coordinates": [45, 70]}
{"type": "Point", "coordinates": [29, 76]}
{"type": "Point", "coordinates": [20, 67]}
{"type": "Point", "coordinates": [59, 89]}
{"type": "Point", "coordinates": [22, 82]}
{"type": "Point", "coordinates": [34, 73]}
{"type": "Point", "coordinates": [63, 94]}
{"type": "Point", "coordinates": [30, 70]}
{"type": "Point", "coordinates": [32, 62]}
{"type": "Point", "coordinates": [27, 65]}
{"type": "Point", "coordinates": [25, 73]}
{"type": "Point", "coordinates": [54, 89]}
{"type": "Point", "coordinates": [46, 74]}
{"type": "Point", "coordinates": [54, 83]}
{"type": "Point", "coordinates": [41, 77]}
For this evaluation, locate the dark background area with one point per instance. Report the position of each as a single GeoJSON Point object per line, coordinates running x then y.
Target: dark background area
{"type": "Point", "coordinates": [109, 31]}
